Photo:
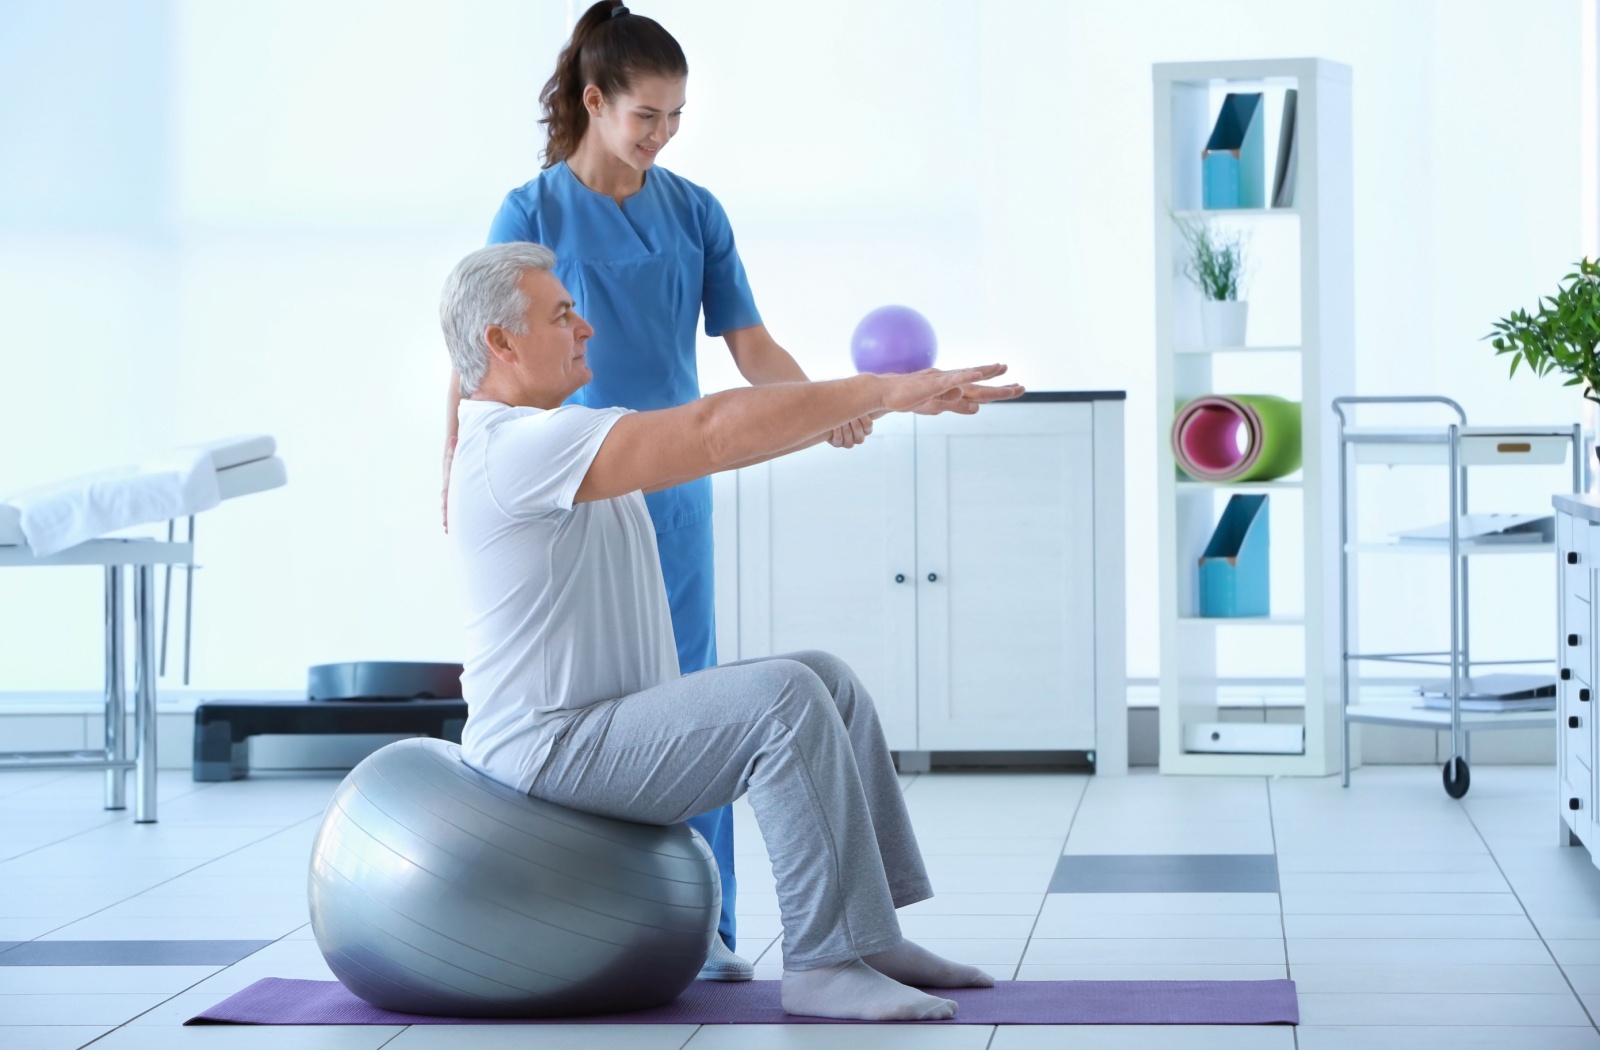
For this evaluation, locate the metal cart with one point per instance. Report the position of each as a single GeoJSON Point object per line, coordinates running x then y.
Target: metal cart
{"type": "Point", "coordinates": [1457, 447]}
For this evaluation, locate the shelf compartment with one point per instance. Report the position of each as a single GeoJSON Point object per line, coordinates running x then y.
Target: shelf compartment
{"type": "Point", "coordinates": [1434, 549]}
{"type": "Point", "coordinates": [1285, 349]}
{"type": "Point", "coordinates": [1242, 621]}
{"type": "Point", "coordinates": [1407, 716]}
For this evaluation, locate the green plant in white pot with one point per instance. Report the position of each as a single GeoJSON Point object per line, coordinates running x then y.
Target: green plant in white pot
{"type": "Point", "coordinates": [1215, 263]}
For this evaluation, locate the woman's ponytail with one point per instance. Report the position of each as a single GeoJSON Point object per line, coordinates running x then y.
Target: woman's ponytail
{"type": "Point", "coordinates": [609, 47]}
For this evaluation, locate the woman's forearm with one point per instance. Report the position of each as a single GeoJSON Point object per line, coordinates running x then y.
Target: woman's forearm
{"type": "Point", "coordinates": [452, 422]}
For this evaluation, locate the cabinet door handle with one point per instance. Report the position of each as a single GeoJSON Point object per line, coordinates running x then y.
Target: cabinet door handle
{"type": "Point", "coordinates": [1566, 673]}
{"type": "Point", "coordinates": [1583, 694]}
{"type": "Point", "coordinates": [1572, 722]}
{"type": "Point", "coordinates": [933, 577]}
{"type": "Point", "coordinates": [1572, 803]}
{"type": "Point", "coordinates": [1572, 557]}
{"type": "Point", "coordinates": [899, 577]}
{"type": "Point", "coordinates": [1572, 639]}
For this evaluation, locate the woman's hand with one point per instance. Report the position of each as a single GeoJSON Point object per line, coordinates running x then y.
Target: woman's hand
{"type": "Point", "coordinates": [444, 497]}
{"type": "Point", "coordinates": [852, 433]}
{"type": "Point", "coordinates": [935, 390]}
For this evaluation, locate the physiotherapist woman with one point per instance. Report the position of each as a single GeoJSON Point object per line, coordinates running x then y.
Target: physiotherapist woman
{"type": "Point", "coordinates": [644, 252]}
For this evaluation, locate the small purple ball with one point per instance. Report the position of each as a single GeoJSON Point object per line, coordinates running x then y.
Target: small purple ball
{"type": "Point", "coordinates": [893, 339]}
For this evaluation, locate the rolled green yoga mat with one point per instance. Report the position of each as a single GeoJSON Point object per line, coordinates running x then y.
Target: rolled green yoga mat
{"type": "Point", "coordinates": [1205, 437]}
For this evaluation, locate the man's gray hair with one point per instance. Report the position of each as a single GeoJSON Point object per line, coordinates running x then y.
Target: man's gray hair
{"type": "Point", "coordinates": [482, 291]}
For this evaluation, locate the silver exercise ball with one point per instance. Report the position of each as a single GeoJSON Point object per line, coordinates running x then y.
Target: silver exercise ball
{"type": "Point", "coordinates": [436, 890]}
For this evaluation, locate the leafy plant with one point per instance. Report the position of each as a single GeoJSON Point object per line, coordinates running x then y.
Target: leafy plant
{"type": "Point", "coordinates": [1562, 335]}
{"type": "Point", "coordinates": [1216, 258]}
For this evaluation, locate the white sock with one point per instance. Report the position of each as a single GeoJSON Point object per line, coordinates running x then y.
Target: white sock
{"type": "Point", "coordinates": [911, 963]}
{"type": "Point", "coordinates": [855, 991]}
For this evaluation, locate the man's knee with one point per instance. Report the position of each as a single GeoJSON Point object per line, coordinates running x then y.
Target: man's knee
{"type": "Point", "coordinates": [795, 686]}
{"type": "Point", "coordinates": [833, 671]}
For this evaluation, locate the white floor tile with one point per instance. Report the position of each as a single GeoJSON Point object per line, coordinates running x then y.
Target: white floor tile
{"type": "Point", "coordinates": [978, 904]}
{"type": "Point", "coordinates": [841, 1037]}
{"type": "Point", "coordinates": [989, 847]}
{"type": "Point", "coordinates": [1575, 953]}
{"type": "Point", "coordinates": [543, 1037]}
{"type": "Point", "coordinates": [249, 1037]}
{"type": "Point", "coordinates": [1153, 950]}
{"type": "Point", "coordinates": [1144, 1037]}
{"type": "Point", "coordinates": [1437, 926]}
{"type": "Point", "coordinates": [922, 926]}
{"type": "Point", "coordinates": [50, 1037]}
{"type": "Point", "coordinates": [1322, 902]}
{"type": "Point", "coordinates": [1392, 882]}
{"type": "Point", "coordinates": [1347, 863]}
{"type": "Point", "coordinates": [55, 980]}
{"type": "Point", "coordinates": [1417, 951]}
{"type": "Point", "coordinates": [1438, 976]}
{"type": "Point", "coordinates": [1152, 972]}
{"type": "Point", "coordinates": [105, 1008]}
{"type": "Point", "coordinates": [1160, 904]}
{"type": "Point", "coordinates": [111, 927]}
{"type": "Point", "coordinates": [1064, 925]}
{"type": "Point", "coordinates": [1460, 1037]}
{"type": "Point", "coordinates": [297, 959]}
{"type": "Point", "coordinates": [1367, 1008]}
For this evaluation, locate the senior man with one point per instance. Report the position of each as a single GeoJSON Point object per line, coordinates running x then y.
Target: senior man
{"type": "Point", "coordinates": [571, 676]}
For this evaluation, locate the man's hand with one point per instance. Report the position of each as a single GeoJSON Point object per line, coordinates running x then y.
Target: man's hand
{"type": "Point", "coordinates": [444, 497]}
{"type": "Point", "coordinates": [934, 390]}
{"type": "Point", "coordinates": [852, 433]}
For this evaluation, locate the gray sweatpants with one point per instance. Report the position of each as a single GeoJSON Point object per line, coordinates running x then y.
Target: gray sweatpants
{"type": "Point", "coordinates": [800, 734]}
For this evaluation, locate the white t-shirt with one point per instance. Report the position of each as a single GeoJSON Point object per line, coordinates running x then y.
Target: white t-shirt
{"type": "Point", "coordinates": [565, 603]}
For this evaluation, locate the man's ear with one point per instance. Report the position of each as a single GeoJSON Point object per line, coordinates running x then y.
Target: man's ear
{"type": "Point", "coordinates": [500, 347]}
{"type": "Point", "coordinates": [593, 99]}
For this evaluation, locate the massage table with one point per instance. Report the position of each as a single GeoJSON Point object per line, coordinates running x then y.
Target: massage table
{"type": "Point", "coordinates": [45, 527]}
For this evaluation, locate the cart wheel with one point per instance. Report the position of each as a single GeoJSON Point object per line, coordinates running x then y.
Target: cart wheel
{"type": "Point", "coordinates": [1457, 777]}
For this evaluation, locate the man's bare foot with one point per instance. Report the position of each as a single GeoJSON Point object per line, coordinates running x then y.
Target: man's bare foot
{"type": "Point", "coordinates": [855, 991]}
{"type": "Point", "coordinates": [911, 963]}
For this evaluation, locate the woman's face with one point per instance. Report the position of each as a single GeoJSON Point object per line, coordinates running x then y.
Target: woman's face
{"type": "Point", "coordinates": [635, 126]}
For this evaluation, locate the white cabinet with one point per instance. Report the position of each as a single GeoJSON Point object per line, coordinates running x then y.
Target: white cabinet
{"type": "Point", "coordinates": [970, 569]}
{"type": "Point", "coordinates": [1577, 557]}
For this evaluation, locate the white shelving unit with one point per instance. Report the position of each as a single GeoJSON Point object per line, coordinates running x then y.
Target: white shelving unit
{"type": "Point", "coordinates": [1302, 350]}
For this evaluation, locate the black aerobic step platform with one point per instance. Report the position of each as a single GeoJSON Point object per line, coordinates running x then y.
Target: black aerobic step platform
{"type": "Point", "coordinates": [371, 697]}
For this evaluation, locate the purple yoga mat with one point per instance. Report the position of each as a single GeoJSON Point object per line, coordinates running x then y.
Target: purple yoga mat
{"type": "Point", "coordinates": [278, 1001]}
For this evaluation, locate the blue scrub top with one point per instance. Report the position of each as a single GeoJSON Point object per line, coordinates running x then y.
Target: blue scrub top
{"type": "Point", "coordinates": [640, 272]}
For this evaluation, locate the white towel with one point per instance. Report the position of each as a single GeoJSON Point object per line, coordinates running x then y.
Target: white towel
{"type": "Point", "coordinates": [65, 513]}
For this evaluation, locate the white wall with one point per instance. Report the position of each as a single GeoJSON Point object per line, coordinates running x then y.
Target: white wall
{"type": "Point", "coordinates": [219, 218]}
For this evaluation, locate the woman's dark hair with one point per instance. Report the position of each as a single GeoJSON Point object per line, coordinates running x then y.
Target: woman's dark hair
{"type": "Point", "coordinates": [610, 46]}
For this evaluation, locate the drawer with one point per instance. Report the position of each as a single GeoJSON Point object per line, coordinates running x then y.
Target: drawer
{"type": "Point", "coordinates": [1576, 642]}
{"type": "Point", "coordinates": [1573, 549]}
{"type": "Point", "coordinates": [1577, 786]}
{"type": "Point", "coordinates": [1578, 742]}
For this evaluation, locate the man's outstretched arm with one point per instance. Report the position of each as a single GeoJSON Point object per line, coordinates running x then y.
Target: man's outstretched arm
{"type": "Point", "coordinates": [734, 428]}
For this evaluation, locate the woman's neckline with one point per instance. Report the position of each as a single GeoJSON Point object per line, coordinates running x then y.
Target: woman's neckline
{"type": "Point", "coordinates": [643, 185]}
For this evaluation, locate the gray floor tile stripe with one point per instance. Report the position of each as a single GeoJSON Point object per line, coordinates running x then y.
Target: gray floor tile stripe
{"type": "Point", "coordinates": [1166, 873]}
{"type": "Point", "coordinates": [128, 953]}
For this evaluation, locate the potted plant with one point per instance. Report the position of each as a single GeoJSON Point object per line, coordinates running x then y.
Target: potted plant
{"type": "Point", "coordinates": [1562, 335]}
{"type": "Point", "coordinates": [1215, 264]}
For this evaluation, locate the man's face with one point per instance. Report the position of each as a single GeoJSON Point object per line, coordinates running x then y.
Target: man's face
{"type": "Point", "coordinates": [550, 355]}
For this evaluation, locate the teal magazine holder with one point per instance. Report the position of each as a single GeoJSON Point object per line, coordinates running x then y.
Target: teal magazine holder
{"type": "Point", "coordinates": [1233, 571]}
{"type": "Point", "coordinates": [1233, 171]}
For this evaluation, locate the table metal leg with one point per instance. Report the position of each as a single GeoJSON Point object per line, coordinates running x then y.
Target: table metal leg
{"type": "Point", "coordinates": [144, 601]}
{"type": "Point", "coordinates": [115, 698]}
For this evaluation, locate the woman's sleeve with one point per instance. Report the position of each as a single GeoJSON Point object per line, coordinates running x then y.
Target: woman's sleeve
{"type": "Point", "coordinates": [726, 296]}
{"type": "Point", "coordinates": [512, 223]}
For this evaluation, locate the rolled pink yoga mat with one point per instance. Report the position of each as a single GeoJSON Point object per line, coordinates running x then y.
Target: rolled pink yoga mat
{"type": "Point", "coordinates": [1205, 438]}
